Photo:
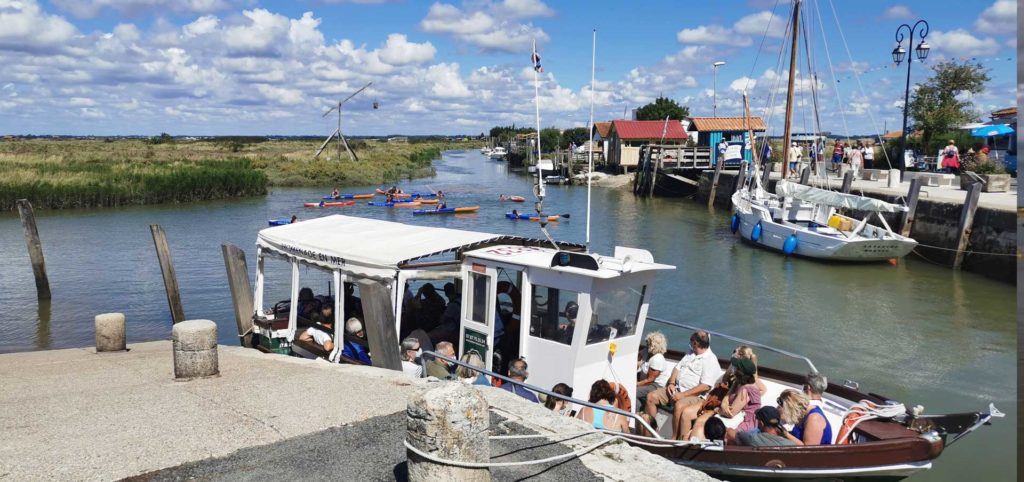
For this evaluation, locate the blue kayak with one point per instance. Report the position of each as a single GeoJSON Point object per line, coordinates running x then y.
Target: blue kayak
{"type": "Point", "coordinates": [349, 196]}
{"type": "Point", "coordinates": [410, 203]}
{"type": "Point", "coordinates": [280, 222]}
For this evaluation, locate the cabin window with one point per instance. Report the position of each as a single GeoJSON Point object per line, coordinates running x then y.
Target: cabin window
{"type": "Point", "coordinates": [481, 285]}
{"type": "Point", "coordinates": [431, 305]}
{"type": "Point", "coordinates": [614, 314]}
{"type": "Point", "coordinates": [553, 314]}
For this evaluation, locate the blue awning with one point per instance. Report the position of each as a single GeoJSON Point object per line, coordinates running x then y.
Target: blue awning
{"type": "Point", "coordinates": [992, 130]}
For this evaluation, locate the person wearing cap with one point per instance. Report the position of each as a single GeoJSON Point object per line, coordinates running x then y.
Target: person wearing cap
{"type": "Point", "coordinates": [770, 430]}
{"type": "Point", "coordinates": [693, 376]}
{"type": "Point", "coordinates": [743, 396]}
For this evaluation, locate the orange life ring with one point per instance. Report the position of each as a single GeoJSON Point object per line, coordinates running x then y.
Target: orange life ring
{"type": "Point", "coordinates": [850, 421]}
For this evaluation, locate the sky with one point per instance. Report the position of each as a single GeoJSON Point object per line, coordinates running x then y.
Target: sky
{"type": "Point", "coordinates": [260, 67]}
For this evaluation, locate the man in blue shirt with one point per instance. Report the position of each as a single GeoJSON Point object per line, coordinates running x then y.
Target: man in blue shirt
{"type": "Point", "coordinates": [517, 370]}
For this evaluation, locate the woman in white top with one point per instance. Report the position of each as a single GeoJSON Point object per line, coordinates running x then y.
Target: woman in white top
{"type": "Point", "coordinates": [856, 160]}
{"type": "Point", "coordinates": [655, 371]}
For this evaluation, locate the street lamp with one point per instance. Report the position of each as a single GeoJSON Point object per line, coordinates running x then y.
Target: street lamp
{"type": "Point", "coordinates": [714, 91]}
{"type": "Point", "coordinates": [898, 54]}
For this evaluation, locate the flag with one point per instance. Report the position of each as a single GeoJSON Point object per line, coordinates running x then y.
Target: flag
{"type": "Point", "coordinates": [536, 59]}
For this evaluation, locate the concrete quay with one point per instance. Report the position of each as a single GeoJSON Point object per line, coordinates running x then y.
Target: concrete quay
{"type": "Point", "coordinates": [77, 414]}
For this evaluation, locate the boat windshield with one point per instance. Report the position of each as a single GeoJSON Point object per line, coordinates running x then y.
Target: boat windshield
{"type": "Point", "coordinates": [553, 314]}
{"type": "Point", "coordinates": [614, 313]}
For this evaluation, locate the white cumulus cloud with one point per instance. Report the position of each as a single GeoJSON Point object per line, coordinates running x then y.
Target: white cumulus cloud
{"type": "Point", "coordinates": [960, 43]}
{"type": "Point", "coordinates": [25, 27]}
{"type": "Point", "coordinates": [998, 18]}
{"type": "Point", "coordinates": [761, 23]}
{"type": "Point", "coordinates": [398, 50]}
{"type": "Point", "coordinates": [492, 30]}
{"type": "Point", "coordinates": [898, 12]}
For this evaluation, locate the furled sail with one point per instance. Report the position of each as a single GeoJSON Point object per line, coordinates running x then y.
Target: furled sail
{"type": "Point", "coordinates": [834, 199]}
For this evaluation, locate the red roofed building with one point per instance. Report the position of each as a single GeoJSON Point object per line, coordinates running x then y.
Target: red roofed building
{"type": "Point", "coordinates": [626, 136]}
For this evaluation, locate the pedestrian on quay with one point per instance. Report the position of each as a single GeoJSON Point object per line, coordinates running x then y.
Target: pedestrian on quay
{"type": "Point", "coordinates": [869, 156]}
{"type": "Point", "coordinates": [951, 158]}
{"type": "Point", "coordinates": [837, 156]}
{"type": "Point", "coordinates": [856, 158]}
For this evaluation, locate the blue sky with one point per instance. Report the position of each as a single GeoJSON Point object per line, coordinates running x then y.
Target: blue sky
{"type": "Point", "coordinates": [215, 67]}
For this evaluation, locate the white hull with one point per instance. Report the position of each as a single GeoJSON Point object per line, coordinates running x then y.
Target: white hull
{"type": "Point", "coordinates": [872, 244]}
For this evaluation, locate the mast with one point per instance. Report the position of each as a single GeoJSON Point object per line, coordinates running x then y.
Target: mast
{"type": "Point", "coordinates": [590, 130]}
{"type": "Point", "coordinates": [536, 103]}
{"type": "Point", "coordinates": [787, 137]}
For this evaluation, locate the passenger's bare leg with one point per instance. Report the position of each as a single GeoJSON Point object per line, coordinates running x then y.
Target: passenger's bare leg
{"type": "Point", "coordinates": [698, 425]}
{"type": "Point", "coordinates": [687, 414]}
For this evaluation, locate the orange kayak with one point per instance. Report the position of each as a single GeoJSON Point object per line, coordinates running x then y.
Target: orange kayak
{"type": "Point", "coordinates": [428, 201]}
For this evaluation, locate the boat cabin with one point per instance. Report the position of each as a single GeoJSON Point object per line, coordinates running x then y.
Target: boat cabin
{"type": "Point", "coordinates": [578, 315]}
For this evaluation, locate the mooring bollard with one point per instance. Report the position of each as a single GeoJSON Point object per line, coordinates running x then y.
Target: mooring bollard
{"type": "Point", "coordinates": [110, 332]}
{"type": "Point", "coordinates": [195, 349]}
{"type": "Point", "coordinates": [449, 422]}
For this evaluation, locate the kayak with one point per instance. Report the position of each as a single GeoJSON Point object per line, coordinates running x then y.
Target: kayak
{"type": "Point", "coordinates": [530, 217]}
{"type": "Point", "coordinates": [469, 209]}
{"type": "Point", "coordinates": [280, 222]}
{"type": "Point", "coordinates": [350, 196]}
{"type": "Point", "coordinates": [412, 204]}
{"type": "Point", "coordinates": [515, 199]}
{"type": "Point", "coordinates": [427, 201]}
{"type": "Point", "coordinates": [409, 194]}
{"type": "Point", "coordinates": [328, 204]}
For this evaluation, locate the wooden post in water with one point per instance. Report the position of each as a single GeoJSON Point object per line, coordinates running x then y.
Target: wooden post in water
{"type": "Point", "coordinates": [741, 177]}
{"type": "Point", "coordinates": [35, 248]}
{"type": "Point", "coordinates": [654, 173]}
{"type": "Point", "coordinates": [163, 254]}
{"type": "Point", "coordinates": [380, 325]}
{"type": "Point", "coordinates": [805, 176]}
{"type": "Point", "coordinates": [963, 237]}
{"type": "Point", "coordinates": [714, 181]}
{"type": "Point", "coordinates": [241, 290]}
{"type": "Point", "coordinates": [767, 174]}
{"type": "Point", "coordinates": [847, 182]}
{"type": "Point", "coordinates": [907, 221]}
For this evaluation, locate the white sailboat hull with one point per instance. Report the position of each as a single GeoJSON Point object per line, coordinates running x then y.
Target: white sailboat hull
{"type": "Point", "coordinates": [820, 242]}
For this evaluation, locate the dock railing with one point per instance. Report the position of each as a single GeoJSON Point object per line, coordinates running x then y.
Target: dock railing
{"type": "Point", "coordinates": [549, 393]}
{"type": "Point", "coordinates": [772, 349]}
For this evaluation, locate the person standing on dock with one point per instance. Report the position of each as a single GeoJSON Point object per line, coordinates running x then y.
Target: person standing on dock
{"type": "Point", "coordinates": [837, 156]}
{"type": "Point", "coordinates": [723, 146]}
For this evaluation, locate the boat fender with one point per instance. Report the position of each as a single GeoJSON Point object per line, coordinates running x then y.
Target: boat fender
{"type": "Point", "coordinates": [734, 225]}
{"type": "Point", "coordinates": [755, 234]}
{"type": "Point", "coordinates": [790, 245]}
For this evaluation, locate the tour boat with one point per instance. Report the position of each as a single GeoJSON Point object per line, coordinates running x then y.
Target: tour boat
{"type": "Point", "coordinates": [525, 285]}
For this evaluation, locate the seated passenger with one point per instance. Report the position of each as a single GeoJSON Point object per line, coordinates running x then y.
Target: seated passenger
{"type": "Point", "coordinates": [448, 329]}
{"type": "Point", "coordinates": [353, 305]}
{"type": "Point", "coordinates": [325, 316]}
{"type": "Point", "coordinates": [307, 303]}
{"type": "Point", "coordinates": [518, 371]}
{"type": "Point", "coordinates": [438, 367]}
{"type": "Point", "coordinates": [601, 393]}
{"type": "Point", "coordinates": [571, 310]}
{"type": "Point", "coordinates": [558, 405]}
{"type": "Point", "coordinates": [694, 375]}
{"type": "Point", "coordinates": [316, 334]}
{"type": "Point", "coordinates": [431, 307]}
{"type": "Point", "coordinates": [770, 430]}
{"type": "Point", "coordinates": [713, 430]}
{"type": "Point", "coordinates": [814, 428]}
{"type": "Point", "coordinates": [736, 393]}
{"type": "Point", "coordinates": [355, 342]}
{"type": "Point", "coordinates": [655, 370]}
{"type": "Point", "coordinates": [471, 377]}
{"type": "Point", "coordinates": [410, 353]}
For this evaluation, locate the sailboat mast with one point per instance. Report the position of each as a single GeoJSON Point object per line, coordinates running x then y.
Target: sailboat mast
{"type": "Point", "coordinates": [788, 136]}
{"type": "Point", "coordinates": [590, 130]}
{"type": "Point", "coordinates": [536, 103]}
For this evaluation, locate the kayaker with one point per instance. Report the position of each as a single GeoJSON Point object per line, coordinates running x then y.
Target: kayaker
{"type": "Point", "coordinates": [321, 204]}
{"type": "Point", "coordinates": [515, 214]}
{"type": "Point", "coordinates": [335, 193]}
{"type": "Point", "coordinates": [440, 194]}
{"type": "Point", "coordinates": [441, 205]}
{"type": "Point", "coordinates": [295, 218]}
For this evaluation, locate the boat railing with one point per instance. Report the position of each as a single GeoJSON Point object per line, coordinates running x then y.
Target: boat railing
{"type": "Point", "coordinates": [549, 393]}
{"type": "Point", "coordinates": [780, 351]}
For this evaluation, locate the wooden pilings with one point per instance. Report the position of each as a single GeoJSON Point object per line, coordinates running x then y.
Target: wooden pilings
{"type": "Point", "coordinates": [767, 174]}
{"type": "Point", "coordinates": [805, 176]}
{"type": "Point", "coordinates": [163, 254]}
{"type": "Point", "coordinates": [714, 181]}
{"type": "Point", "coordinates": [907, 219]}
{"type": "Point", "coordinates": [847, 182]}
{"type": "Point", "coordinates": [241, 290]}
{"type": "Point", "coordinates": [741, 177]}
{"type": "Point", "coordinates": [379, 322]}
{"type": "Point", "coordinates": [35, 248]}
{"type": "Point", "coordinates": [966, 222]}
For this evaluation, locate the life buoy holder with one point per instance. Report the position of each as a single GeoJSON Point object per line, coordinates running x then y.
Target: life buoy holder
{"type": "Point", "coordinates": [755, 233]}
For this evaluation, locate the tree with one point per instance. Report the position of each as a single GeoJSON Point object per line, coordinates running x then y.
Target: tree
{"type": "Point", "coordinates": [550, 138]}
{"type": "Point", "coordinates": [662, 107]}
{"type": "Point", "coordinates": [938, 104]}
{"type": "Point", "coordinates": [576, 135]}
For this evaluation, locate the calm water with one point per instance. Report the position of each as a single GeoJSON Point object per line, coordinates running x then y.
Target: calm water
{"type": "Point", "coordinates": [917, 333]}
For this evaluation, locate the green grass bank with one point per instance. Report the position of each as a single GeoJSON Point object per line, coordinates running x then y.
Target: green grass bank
{"type": "Point", "coordinates": [58, 174]}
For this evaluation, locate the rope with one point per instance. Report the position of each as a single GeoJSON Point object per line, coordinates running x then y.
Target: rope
{"type": "Point", "coordinates": [835, 84]}
{"type": "Point", "coordinates": [986, 253]}
{"type": "Point", "coordinates": [484, 465]}
{"type": "Point", "coordinates": [871, 411]}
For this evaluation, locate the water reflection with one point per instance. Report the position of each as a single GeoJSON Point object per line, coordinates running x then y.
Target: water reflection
{"type": "Point", "coordinates": [43, 312]}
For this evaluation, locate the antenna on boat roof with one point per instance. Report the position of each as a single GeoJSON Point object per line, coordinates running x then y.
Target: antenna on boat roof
{"type": "Point", "coordinates": [337, 132]}
{"type": "Point", "coordinates": [538, 190]}
{"type": "Point", "coordinates": [590, 130]}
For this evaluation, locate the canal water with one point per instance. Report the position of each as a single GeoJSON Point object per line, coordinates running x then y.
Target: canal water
{"type": "Point", "coordinates": [915, 332]}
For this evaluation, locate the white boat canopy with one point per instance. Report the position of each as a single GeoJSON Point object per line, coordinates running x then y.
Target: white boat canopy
{"type": "Point", "coordinates": [367, 247]}
{"type": "Point", "coordinates": [834, 199]}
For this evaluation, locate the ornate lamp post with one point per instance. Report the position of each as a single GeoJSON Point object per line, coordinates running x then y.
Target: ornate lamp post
{"type": "Point", "coordinates": [714, 91]}
{"type": "Point", "coordinates": [898, 54]}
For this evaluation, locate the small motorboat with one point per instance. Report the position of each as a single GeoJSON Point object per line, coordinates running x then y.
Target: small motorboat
{"type": "Point", "coordinates": [325, 204]}
{"type": "Point", "coordinates": [556, 180]}
{"type": "Point", "coordinates": [350, 196]}
{"type": "Point", "coordinates": [462, 210]}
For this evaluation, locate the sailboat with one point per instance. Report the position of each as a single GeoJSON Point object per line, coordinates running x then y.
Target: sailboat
{"type": "Point", "coordinates": [804, 220]}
